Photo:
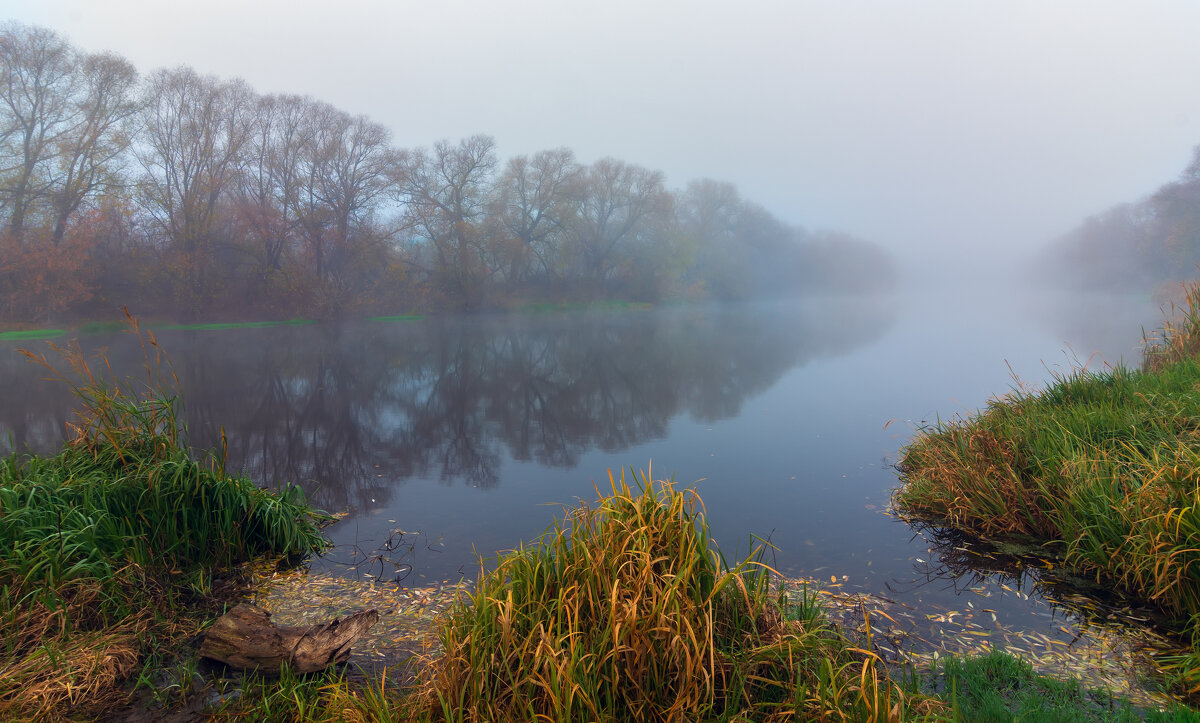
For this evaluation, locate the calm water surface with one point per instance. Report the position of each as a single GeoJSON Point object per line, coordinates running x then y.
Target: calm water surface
{"type": "Point", "coordinates": [445, 438]}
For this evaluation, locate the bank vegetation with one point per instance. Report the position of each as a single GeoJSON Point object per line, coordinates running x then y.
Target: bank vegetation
{"type": "Point", "coordinates": [1102, 468]}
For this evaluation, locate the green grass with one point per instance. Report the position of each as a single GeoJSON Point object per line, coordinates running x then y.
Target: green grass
{"type": "Point", "coordinates": [1104, 466]}
{"type": "Point", "coordinates": [627, 611]}
{"type": "Point", "coordinates": [109, 549]}
{"type": "Point", "coordinates": [31, 334]}
{"type": "Point", "coordinates": [624, 610]}
{"type": "Point", "coordinates": [997, 688]}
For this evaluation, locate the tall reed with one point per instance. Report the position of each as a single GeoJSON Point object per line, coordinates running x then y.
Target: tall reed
{"type": "Point", "coordinates": [1179, 336]}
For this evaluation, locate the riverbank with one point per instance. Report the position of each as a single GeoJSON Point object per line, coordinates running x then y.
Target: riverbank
{"type": "Point", "coordinates": [1101, 469]}
{"type": "Point", "coordinates": [534, 606]}
{"type": "Point", "coordinates": [776, 647]}
{"type": "Point", "coordinates": [16, 331]}
{"type": "Point", "coordinates": [119, 548]}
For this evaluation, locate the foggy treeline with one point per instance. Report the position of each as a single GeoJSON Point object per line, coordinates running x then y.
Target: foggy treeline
{"type": "Point", "coordinates": [1136, 246]}
{"type": "Point", "coordinates": [187, 195]}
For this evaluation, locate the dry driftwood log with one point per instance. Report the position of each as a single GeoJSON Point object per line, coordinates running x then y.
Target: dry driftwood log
{"type": "Point", "coordinates": [246, 639]}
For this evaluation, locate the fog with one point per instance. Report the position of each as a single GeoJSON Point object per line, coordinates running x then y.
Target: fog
{"type": "Point", "coordinates": [961, 136]}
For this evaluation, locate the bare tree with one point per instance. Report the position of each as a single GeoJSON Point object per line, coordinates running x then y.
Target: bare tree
{"type": "Point", "coordinates": [89, 153]}
{"type": "Point", "coordinates": [710, 219]}
{"type": "Point", "coordinates": [536, 203]}
{"type": "Point", "coordinates": [621, 204]}
{"type": "Point", "coordinates": [447, 192]}
{"type": "Point", "coordinates": [193, 133]}
{"type": "Point", "coordinates": [349, 170]}
{"type": "Point", "coordinates": [269, 186]}
{"type": "Point", "coordinates": [37, 81]}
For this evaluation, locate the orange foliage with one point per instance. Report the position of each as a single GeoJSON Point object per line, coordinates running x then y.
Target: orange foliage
{"type": "Point", "coordinates": [40, 279]}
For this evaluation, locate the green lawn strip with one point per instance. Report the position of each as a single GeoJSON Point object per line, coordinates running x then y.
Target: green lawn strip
{"type": "Point", "coordinates": [1000, 687]}
{"type": "Point", "coordinates": [26, 334]}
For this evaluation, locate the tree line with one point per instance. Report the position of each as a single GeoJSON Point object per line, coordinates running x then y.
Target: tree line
{"type": "Point", "coordinates": [1136, 246]}
{"type": "Point", "coordinates": [188, 195]}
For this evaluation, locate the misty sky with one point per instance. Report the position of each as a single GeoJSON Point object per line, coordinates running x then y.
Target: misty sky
{"type": "Point", "coordinates": [950, 132]}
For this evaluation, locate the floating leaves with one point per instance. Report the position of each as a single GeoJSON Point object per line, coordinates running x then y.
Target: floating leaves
{"type": "Point", "coordinates": [406, 614]}
{"type": "Point", "coordinates": [1114, 655]}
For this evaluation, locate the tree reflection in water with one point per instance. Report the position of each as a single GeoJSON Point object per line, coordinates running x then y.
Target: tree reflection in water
{"type": "Point", "coordinates": [349, 410]}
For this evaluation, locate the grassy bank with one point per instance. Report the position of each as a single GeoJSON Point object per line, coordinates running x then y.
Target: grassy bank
{"type": "Point", "coordinates": [623, 611]}
{"type": "Point", "coordinates": [109, 550]}
{"type": "Point", "coordinates": [113, 552]}
{"type": "Point", "coordinates": [1104, 467]}
{"type": "Point", "coordinates": [626, 611]}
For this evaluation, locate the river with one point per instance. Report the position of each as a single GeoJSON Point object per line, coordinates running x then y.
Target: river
{"type": "Point", "coordinates": [445, 438]}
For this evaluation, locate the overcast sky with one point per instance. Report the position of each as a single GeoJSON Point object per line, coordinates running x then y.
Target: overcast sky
{"type": "Point", "coordinates": [950, 132]}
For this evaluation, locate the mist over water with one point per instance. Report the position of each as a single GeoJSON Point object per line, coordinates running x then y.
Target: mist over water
{"type": "Point", "coordinates": [456, 436]}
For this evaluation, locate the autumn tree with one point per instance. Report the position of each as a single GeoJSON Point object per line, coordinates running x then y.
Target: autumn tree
{"type": "Point", "coordinates": [349, 163]}
{"type": "Point", "coordinates": [536, 202]}
{"type": "Point", "coordinates": [708, 219]}
{"type": "Point", "coordinates": [446, 192]}
{"type": "Point", "coordinates": [621, 205]}
{"type": "Point", "coordinates": [267, 210]}
{"type": "Point", "coordinates": [194, 128]}
{"type": "Point", "coordinates": [1173, 221]}
{"type": "Point", "coordinates": [90, 157]}
{"type": "Point", "coordinates": [37, 82]}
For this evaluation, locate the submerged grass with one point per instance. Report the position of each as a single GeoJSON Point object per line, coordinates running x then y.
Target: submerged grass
{"type": "Point", "coordinates": [1104, 465]}
{"type": "Point", "coordinates": [107, 546]}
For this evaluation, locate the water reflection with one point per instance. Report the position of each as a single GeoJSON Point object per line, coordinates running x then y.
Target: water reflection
{"type": "Point", "coordinates": [349, 410]}
{"type": "Point", "coordinates": [963, 562]}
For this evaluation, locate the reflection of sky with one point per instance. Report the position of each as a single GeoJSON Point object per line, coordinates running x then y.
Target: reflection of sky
{"type": "Point", "coordinates": [805, 463]}
{"type": "Point", "coordinates": [790, 444]}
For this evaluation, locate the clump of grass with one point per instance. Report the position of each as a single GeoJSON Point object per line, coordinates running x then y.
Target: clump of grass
{"type": "Point", "coordinates": [627, 611]}
{"type": "Point", "coordinates": [1106, 466]}
{"type": "Point", "coordinates": [1000, 687]}
{"type": "Point", "coordinates": [1179, 337]}
{"type": "Point", "coordinates": [329, 697]}
{"type": "Point", "coordinates": [104, 546]}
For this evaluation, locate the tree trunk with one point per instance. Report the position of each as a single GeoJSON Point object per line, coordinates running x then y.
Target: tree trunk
{"type": "Point", "coordinates": [246, 639]}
